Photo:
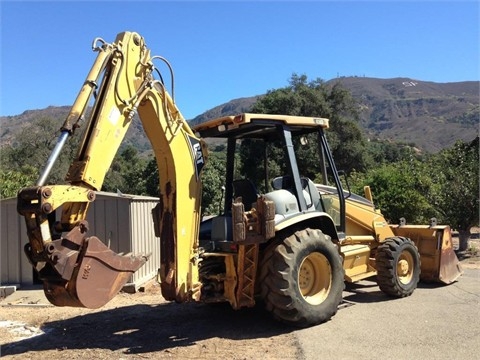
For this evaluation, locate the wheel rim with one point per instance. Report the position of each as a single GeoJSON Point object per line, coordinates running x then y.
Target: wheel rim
{"type": "Point", "coordinates": [405, 266]}
{"type": "Point", "coordinates": [315, 278]}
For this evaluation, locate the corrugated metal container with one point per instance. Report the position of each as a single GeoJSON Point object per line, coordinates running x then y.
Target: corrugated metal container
{"type": "Point", "coordinates": [15, 268]}
{"type": "Point", "coordinates": [124, 222]}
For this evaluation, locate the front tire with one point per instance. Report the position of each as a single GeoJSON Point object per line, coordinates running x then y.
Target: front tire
{"type": "Point", "coordinates": [302, 278]}
{"type": "Point", "coordinates": [398, 266]}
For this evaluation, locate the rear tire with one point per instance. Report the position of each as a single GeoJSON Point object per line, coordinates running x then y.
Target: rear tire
{"type": "Point", "coordinates": [398, 266]}
{"type": "Point", "coordinates": [302, 278]}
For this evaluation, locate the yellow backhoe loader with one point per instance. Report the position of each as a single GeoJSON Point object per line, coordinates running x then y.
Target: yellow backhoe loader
{"type": "Point", "coordinates": [284, 239]}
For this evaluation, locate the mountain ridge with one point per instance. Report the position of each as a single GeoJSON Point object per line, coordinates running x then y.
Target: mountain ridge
{"type": "Point", "coordinates": [428, 114]}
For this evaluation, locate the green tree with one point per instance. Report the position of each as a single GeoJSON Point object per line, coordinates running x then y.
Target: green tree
{"type": "Point", "coordinates": [213, 178]}
{"type": "Point", "coordinates": [384, 152]}
{"type": "Point", "coordinates": [444, 185]}
{"type": "Point", "coordinates": [399, 190]}
{"type": "Point", "coordinates": [13, 180]}
{"type": "Point", "coordinates": [455, 171]}
{"type": "Point", "coordinates": [31, 148]}
{"type": "Point", "coordinates": [316, 98]}
{"type": "Point", "coordinates": [127, 173]}
{"type": "Point", "coordinates": [250, 164]}
{"type": "Point", "coordinates": [152, 180]}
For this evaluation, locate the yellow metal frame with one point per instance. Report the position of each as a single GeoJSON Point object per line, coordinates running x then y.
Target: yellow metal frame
{"type": "Point", "coordinates": [122, 78]}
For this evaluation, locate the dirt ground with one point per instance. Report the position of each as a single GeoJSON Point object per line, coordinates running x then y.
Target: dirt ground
{"type": "Point", "coordinates": [144, 326]}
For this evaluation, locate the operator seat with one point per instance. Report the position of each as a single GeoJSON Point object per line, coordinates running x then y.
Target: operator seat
{"type": "Point", "coordinates": [283, 182]}
{"type": "Point", "coordinates": [316, 202]}
{"type": "Point", "coordinates": [310, 192]}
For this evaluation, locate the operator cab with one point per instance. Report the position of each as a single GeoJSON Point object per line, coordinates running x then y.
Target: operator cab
{"type": "Point", "coordinates": [282, 158]}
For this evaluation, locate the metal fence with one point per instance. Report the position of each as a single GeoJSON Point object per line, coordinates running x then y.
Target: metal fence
{"type": "Point", "coordinates": [123, 222]}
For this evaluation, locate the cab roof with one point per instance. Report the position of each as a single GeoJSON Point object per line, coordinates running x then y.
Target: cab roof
{"type": "Point", "coordinates": [257, 125]}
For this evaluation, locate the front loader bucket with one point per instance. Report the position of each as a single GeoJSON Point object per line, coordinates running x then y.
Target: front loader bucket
{"type": "Point", "coordinates": [438, 260]}
{"type": "Point", "coordinates": [83, 272]}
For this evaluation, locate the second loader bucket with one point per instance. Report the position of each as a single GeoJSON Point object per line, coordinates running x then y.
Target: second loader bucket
{"type": "Point", "coordinates": [438, 260]}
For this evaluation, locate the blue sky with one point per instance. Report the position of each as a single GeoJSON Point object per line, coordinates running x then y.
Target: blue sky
{"type": "Point", "coordinates": [222, 50]}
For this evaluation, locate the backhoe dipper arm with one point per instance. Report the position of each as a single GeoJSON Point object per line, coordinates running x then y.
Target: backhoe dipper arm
{"type": "Point", "coordinates": [79, 270]}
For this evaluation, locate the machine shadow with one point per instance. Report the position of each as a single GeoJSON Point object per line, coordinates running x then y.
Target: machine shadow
{"type": "Point", "coordinates": [145, 328]}
{"type": "Point", "coordinates": [367, 291]}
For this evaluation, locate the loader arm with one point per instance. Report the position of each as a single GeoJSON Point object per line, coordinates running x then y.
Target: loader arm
{"type": "Point", "coordinates": [81, 271]}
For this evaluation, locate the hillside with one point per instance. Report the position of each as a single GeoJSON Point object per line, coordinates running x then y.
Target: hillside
{"type": "Point", "coordinates": [430, 115]}
{"type": "Point", "coordinates": [233, 107]}
{"type": "Point", "coordinates": [10, 126]}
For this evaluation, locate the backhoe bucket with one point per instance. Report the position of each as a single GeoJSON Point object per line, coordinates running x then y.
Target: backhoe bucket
{"type": "Point", "coordinates": [438, 260]}
{"type": "Point", "coordinates": [83, 272]}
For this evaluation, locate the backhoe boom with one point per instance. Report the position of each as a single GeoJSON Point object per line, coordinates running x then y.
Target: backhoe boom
{"type": "Point", "coordinates": [78, 270]}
